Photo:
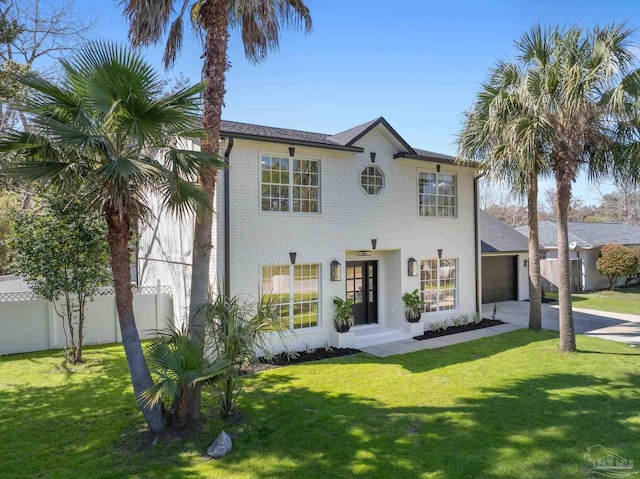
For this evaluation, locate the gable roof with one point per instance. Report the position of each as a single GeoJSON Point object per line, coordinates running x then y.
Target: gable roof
{"type": "Point", "coordinates": [344, 141]}
{"type": "Point", "coordinates": [498, 237]}
{"type": "Point", "coordinates": [587, 235]}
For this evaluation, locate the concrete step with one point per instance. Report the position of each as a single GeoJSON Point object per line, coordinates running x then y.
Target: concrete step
{"type": "Point", "coordinates": [372, 335]}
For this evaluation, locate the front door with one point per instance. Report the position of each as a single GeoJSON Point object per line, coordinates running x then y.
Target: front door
{"type": "Point", "coordinates": [362, 288]}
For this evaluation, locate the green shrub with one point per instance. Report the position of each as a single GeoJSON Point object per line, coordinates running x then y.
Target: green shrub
{"type": "Point", "coordinates": [617, 261]}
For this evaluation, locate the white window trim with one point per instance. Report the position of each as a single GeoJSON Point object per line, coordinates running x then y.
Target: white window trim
{"type": "Point", "coordinates": [384, 181]}
{"type": "Point", "coordinates": [273, 154]}
{"type": "Point", "coordinates": [291, 329]}
{"type": "Point", "coordinates": [418, 194]}
{"type": "Point", "coordinates": [438, 311]}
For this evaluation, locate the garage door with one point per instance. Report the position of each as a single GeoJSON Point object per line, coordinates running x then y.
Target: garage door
{"type": "Point", "coordinates": [498, 278]}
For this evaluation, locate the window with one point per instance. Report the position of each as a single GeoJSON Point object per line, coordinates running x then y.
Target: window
{"type": "Point", "coordinates": [437, 194]}
{"type": "Point", "coordinates": [290, 185]}
{"type": "Point", "coordinates": [372, 180]}
{"type": "Point", "coordinates": [295, 292]}
{"type": "Point", "coordinates": [438, 284]}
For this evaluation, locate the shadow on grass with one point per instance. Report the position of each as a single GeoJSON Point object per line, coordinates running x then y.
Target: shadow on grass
{"type": "Point", "coordinates": [533, 428]}
{"type": "Point", "coordinates": [537, 428]}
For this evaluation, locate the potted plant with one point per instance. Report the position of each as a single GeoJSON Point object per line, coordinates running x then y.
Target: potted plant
{"type": "Point", "coordinates": [413, 306]}
{"type": "Point", "coordinates": [344, 314]}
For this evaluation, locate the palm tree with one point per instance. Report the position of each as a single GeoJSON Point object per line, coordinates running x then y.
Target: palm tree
{"type": "Point", "coordinates": [502, 134]}
{"type": "Point", "coordinates": [95, 137]}
{"type": "Point", "coordinates": [259, 22]}
{"type": "Point", "coordinates": [579, 84]}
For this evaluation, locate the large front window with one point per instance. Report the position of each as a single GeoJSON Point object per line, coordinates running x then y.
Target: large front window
{"type": "Point", "coordinates": [439, 284]}
{"type": "Point", "coordinates": [290, 184]}
{"type": "Point", "coordinates": [437, 194]}
{"type": "Point", "coordinates": [294, 292]}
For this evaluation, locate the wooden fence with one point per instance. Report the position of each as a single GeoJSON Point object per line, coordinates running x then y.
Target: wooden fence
{"type": "Point", "coordinates": [31, 324]}
{"type": "Point", "coordinates": [549, 271]}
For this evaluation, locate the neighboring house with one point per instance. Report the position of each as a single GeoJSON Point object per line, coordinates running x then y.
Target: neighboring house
{"type": "Point", "coordinates": [585, 242]}
{"type": "Point", "coordinates": [309, 216]}
{"type": "Point", "coordinates": [505, 259]}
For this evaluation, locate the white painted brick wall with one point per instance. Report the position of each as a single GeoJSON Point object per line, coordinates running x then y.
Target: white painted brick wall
{"type": "Point", "coordinates": [348, 220]}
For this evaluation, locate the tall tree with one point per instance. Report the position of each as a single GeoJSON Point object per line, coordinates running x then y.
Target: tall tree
{"type": "Point", "coordinates": [502, 134]}
{"type": "Point", "coordinates": [582, 85]}
{"type": "Point", "coordinates": [259, 22]}
{"type": "Point", "coordinates": [106, 135]}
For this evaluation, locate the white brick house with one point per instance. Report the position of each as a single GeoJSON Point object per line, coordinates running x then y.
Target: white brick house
{"type": "Point", "coordinates": [292, 203]}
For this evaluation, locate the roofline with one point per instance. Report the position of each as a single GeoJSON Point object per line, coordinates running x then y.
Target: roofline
{"type": "Point", "coordinates": [503, 253]}
{"type": "Point", "coordinates": [432, 159]}
{"type": "Point", "coordinates": [385, 123]}
{"type": "Point", "coordinates": [286, 141]}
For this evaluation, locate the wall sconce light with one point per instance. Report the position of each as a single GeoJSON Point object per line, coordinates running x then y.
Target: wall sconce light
{"type": "Point", "coordinates": [373, 156]}
{"type": "Point", "coordinates": [438, 168]}
{"type": "Point", "coordinates": [292, 151]}
{"type": "Point", "coordinates": [335, 270]}
{"type": "Point", "coordinates": [292, 256]}
{"type": "Point", "coordinates": [526, 263]}
{"type": "Point", "coordinates": [412, 269]}
{"type": "Point", "coordinates": [374, 243]}
{"type": "Point", "coordinates": [439, 253]}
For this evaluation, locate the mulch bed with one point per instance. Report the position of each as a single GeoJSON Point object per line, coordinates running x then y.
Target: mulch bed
{"type": "Point", "coordinates": [485, 323]}
{"type": "Point", "coordinates": [284, 359]}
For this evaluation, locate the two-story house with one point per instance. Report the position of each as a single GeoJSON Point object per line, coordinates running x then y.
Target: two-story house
{"type": "Point", "coordinates": [308, 216]}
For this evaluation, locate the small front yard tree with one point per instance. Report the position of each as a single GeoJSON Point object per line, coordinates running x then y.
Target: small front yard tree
{"type": "Point", "coordinates": [616, 261]}
{"type": "Point", "coordinates": [61, 249]}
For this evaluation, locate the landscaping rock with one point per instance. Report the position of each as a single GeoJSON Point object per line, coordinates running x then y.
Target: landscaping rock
{"type": "Point", "coordinates": [220, 447]}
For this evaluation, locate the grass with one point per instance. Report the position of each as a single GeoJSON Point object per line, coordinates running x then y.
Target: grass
{"type": "Point", "coordinates": [625, 300]}
{"type": "Point", "coordinates": [500, 407]}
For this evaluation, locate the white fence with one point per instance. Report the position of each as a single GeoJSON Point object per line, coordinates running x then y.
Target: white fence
{"type": "Point", "coordinates": [29, 324]}
{"type": "Point", "coordinates": [11, 283]}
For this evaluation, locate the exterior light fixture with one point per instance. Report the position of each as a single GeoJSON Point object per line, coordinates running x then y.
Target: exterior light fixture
{"type": "Point", "coordinates": [292, 151]}
{"type": "Point", "coordinates": [373, 156]}
{"type": "Point", "coordinates": [374, 243]}
{"type": "Point", "coordinates": [292, 256]}
{"type": "Point", "coordinates": [439, 253]}
{"type": "Point", "coordinates": [526, 263]}
{"type": "Point", "coordinates": [335, 270]}
{"type": "Point", "coordinates": [412, 267]}
{"type": "Point", "coordinates": [438, 168]}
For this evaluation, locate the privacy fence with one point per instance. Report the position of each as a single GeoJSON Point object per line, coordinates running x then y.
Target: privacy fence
{"type": "Point", "coordinates": [30, 324]}
{"type": "Point", "coordinates": [549, 270]}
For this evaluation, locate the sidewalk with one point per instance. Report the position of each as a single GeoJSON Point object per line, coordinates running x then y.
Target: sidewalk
{"type": "Point", "coordinates": [611, 326]}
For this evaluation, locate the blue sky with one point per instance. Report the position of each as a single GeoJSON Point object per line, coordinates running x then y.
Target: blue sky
{"type": "Point", "coordinates": [418, 63]}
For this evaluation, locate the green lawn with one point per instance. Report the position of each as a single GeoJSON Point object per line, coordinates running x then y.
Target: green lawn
{"type": "Point", "coordinates": [625, 300]}
{"type": "Point", "coordinates": [509, 406]}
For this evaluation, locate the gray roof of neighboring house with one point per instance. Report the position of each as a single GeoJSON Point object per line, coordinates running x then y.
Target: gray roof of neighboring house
{"type": "Point", "coordinates": [340, 141]}
{"type": "Point", "coordinates": [587, 234]}
{"type": "Point", "coordinates": [498, 237]}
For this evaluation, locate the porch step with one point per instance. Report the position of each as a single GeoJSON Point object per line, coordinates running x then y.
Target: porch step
{"type": "Point", "coordinates": [372, 335]}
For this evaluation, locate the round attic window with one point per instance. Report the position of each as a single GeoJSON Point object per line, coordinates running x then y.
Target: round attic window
{"type": "Point", "coordinates": [372, 180]}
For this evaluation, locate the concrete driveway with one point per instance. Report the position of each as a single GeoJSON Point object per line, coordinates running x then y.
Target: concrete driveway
{"type": "Point", "coordinates": [624, 328]}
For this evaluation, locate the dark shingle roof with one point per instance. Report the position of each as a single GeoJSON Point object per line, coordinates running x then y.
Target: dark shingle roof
{"type": "Point", "coordinates": [497, 237]}
{"type": "Point", "coordinates": [587, 234]}
{"type": "Point", "coordinates": [344, 140]}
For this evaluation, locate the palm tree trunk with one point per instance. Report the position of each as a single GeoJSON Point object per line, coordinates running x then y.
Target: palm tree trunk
{"type": "Point", "coordinates": [535, 289]}
{"type": "Point", "coordinates": [567, 333]}
{"type": "Point", "coordinates": [118, 234]}
{"type": "Point", "coordinates": [214, 15]}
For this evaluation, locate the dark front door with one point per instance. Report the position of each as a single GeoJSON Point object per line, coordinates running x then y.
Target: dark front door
{"type": "Point", "coordinates": [362, 288]}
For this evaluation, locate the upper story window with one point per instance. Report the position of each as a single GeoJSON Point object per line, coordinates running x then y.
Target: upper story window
{"type": "Point", "coordinates": [372, 180]}
{"type": "Point", "coordinates": [290, 184]}
{"type": "Point", "coordinates": [437, 194]}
